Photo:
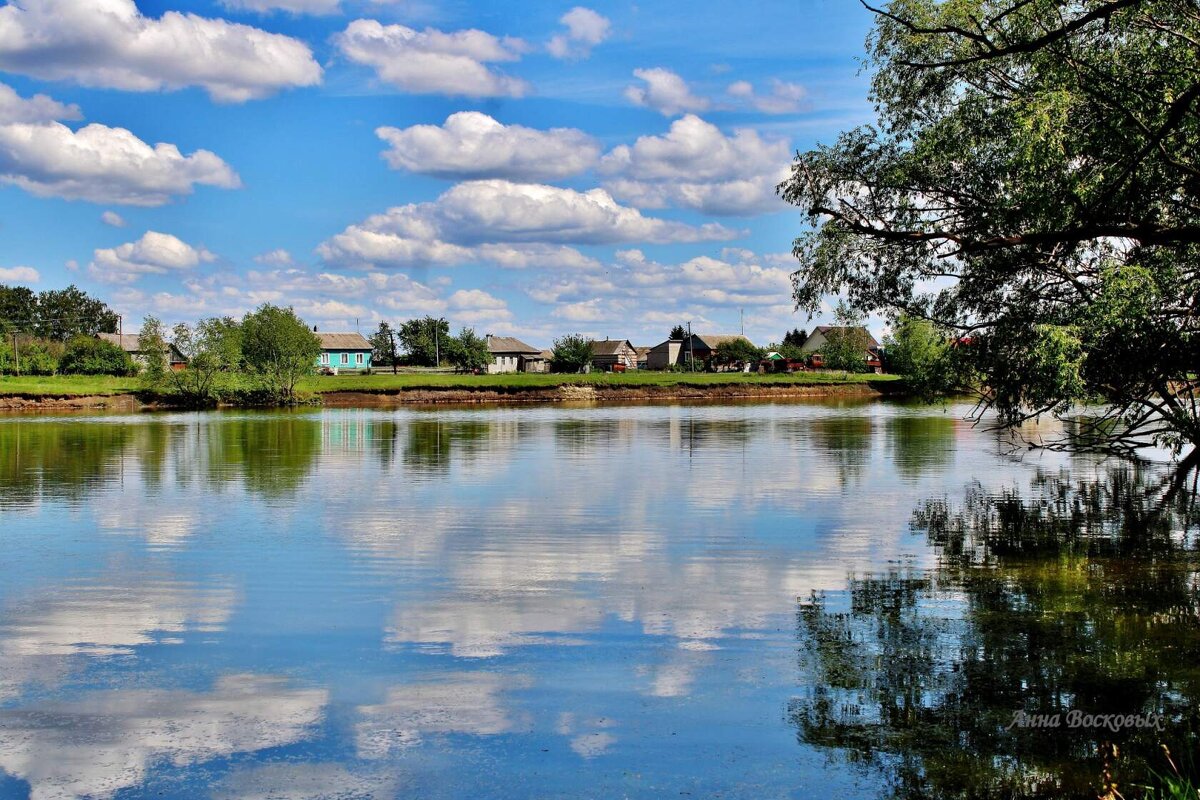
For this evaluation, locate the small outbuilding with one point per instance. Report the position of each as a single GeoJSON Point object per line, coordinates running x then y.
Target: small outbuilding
{"type": "Point", "coordinates": [609, 354]}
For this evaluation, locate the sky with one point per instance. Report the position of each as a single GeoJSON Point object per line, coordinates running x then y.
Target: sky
{"type": "Point", "coordinates": [530, 170]}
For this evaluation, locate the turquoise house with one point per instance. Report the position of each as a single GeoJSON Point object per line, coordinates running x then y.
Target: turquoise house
{"type": "Point", "coordinates": [344, 351]}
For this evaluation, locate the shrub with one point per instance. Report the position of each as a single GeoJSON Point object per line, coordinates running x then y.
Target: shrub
{"type": "Point", "coordinates": [86, 355]}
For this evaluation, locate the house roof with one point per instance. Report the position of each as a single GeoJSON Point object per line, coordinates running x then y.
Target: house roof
{"type": "Point", "coordinates": [713, 340]}
{"type": "Point", "coordinates": [509, 344]}
{"type": "Point", "coordinates": [642, 351]}
{"type": "Point", "coordinates": [343, 341]}
{"type": "Point", "coordinates": [131, 343]}
{"type": "Point", "coordinates": [547, 354]}
{"type": "Point", "coordinates": [824, 330]}
{"type": "Point", "coordinates": [609, 347]}
{"type": "Point", "coordinates": [128, 342]}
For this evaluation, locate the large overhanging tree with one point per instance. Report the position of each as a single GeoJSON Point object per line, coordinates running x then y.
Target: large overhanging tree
{"type": "Point", "coordinates": [1033, 186]}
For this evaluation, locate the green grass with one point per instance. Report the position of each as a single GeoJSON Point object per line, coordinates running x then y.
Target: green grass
{"type": "Point", "coordinates": [381, 382]}
{"type": "Point", "coordinates": [83, 385]}
{"type": "Point", "coordinates": [66, 385]}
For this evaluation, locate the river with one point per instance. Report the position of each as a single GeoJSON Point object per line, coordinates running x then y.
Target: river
{"type": "Point", "coordinates": [810, 599]}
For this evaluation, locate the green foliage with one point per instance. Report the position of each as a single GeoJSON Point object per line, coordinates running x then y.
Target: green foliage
{"type": "Point", "coordinates": [383, 344]}
{"type": "Point", "coordinates": [678, 332]}
{"type": "Point", "coordinates": [18, 309]}
{"type": "Point", "coordinates": [213, 350]}
{"type": "Point", "coordinates": [152, 343]}
{"type": "Point", "coordinates": [87, 355]}
{"type": "Point", "coordinates": [1031, 182]}
{"type": "Point", "coordinates": [65, 313]}
{"type": "Point", "coordinates": [794, 338]}
{"type": "Point", "coordinates": [738, 350]}
{"type": "Point", "coordinates": [572, 353]}
{"type": "Point", "coordinates": [468, 351]}
{"type": "Point", "coordinates": [279, 348]}
{"type": "Point", "coordinates": [923, 354]}
{"type": "Point", "coordinates": [424, 340]}
{"type": "Point", "coordinates": [846, 342]}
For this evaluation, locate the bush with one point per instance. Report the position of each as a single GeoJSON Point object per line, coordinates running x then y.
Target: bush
{"type": "Point", "coordinates": [33, 357]}
{"type": "Point", "coordinates": [86, 355]}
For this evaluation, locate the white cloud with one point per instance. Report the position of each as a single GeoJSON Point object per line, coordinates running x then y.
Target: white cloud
{"type": "Point", "coordinates": [665, 92]}
{"type": "Point", "coordinates": [290, 6]}
{"type": "Point", "coordinates": [433, 61]}
{"type": "Point", "coordinates": [499, 219]}
{"type": "Point", "coordinates": [39, 108]}
{"type": "Point", "coordinates": [99, 163]}
{"type": "Point", "coordinates": [113, 218]}
{"type": "Point", "coordinates": [585, 29]}
{"type": "Point", "coordinates": [697, 166]}
{"type": "Point", "coordinates": [109, 43]}
{"type": "Point", "coordinates": [785, 98]}
{"type": "Point", "coordinates": [155, 253]}
{"type": "Point", "coordinates": [473, 145]}
{"type": "Point", "coordinates": [278, 257]}
{"type": "Point", "coordinates": [19, 275]}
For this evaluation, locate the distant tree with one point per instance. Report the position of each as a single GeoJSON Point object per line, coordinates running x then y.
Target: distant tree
{"type": "Point", "coordinates": [468, 351]}
{"type": "Point", "coordinates": [152, 342]}
{"type": "Point", "coordinates": [383, 343]}
{"type": "Point", "coordinates": [18, 309]}
{"type": "Point", "coordinates": [678, 332]}
{"type": "Point", "coordinates": [571, 353]}
{"type": "Point", "coordinates": [280, 349]}
{"type": "Point", "coordinates": [213, 348]}
{"type": "Point", "coordinates": [923, 354]}
{"type": "Point", "coordinates": [423, 340]}
{"type": "Point", "coordinates": [789, 351]}
{"type": "Point", "coordinates": [846, 342]}
{"type": "Point", "coordinates": [737, 350]}
{"type": "Point", "coordinates": [87, 355]}
{"type": "Point", "coordinates": [68, 312]}
{"type": "Point", "coordinates": [795, 338]}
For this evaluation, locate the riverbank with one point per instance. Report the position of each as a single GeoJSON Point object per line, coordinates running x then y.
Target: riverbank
{"type": "Point", "coordinates": [123, 394]}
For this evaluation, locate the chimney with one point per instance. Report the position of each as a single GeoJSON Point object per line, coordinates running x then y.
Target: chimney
{"type": "Point", "coordinates": [314, 328]}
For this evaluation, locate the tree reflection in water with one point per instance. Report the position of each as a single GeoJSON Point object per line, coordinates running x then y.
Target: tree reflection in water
{"type": "Point", "coordinates": [1080, 594]}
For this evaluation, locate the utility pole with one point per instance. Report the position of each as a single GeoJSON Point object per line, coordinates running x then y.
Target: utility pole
{"type": "Point", "coordinates": [742, 320]}
{"type": "Point", "coordinates": [691, 350]}
{"type": "Point", "coordinates": [437, 347]}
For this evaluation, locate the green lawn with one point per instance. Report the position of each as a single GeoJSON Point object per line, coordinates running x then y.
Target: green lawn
{"type": "Point", "coordinates": [79, 385]}
{"type": "Point", "coordinates": [384, 382]}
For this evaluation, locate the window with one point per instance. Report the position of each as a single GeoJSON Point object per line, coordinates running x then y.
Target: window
{"type": "Point", "coordinates": [345, 358]}
{"type": "Point", "coordinates": [324, 358]}
{"type": "Point", "coordinates": [358, 358]}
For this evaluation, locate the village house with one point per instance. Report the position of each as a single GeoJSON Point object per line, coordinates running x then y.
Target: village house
{"type": "Point", "coordinates": [819, 339]}
{"type": "Point", "coordinates": [344, 351]}
{"type": "Point", "coordinates": [131, 344]}
{"type": "Point", "coordinates": [701, 348]}
{"type": "Point", "coordinates": [608, 354]}
{"type": "Point", "coordinates": [510, 354]}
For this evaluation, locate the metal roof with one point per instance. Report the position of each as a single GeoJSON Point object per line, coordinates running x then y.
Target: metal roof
{"type": "Point", "coordinates": [509, 344]}
{"type": "Point", "coordinates": [343, 341]}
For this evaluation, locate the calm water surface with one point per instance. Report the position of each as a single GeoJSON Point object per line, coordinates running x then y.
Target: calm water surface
{"type": "Point", "coordinates": [754, 601]}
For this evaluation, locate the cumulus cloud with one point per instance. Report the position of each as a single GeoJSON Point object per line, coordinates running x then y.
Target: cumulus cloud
{"type": "Point", "coordinates": [665, 92]}
{"type": "Point", "coordinates": [585, 29]}
{"type": "Point", "coordinates": [39, 108]}
{"type": "Point", "coordinates": [502, 219]}
{"type": "Point", "coordinates": [278, 257]}
{"type": "Point", "coordinates": [697, 166]}
{"type": "Point", "coordinates": [471, 144]}
{"type": "Point", "coordinates": [154, 253]}
{"type": "Point", "coordinates": [290, 6]}
{"type": "Point", "coordinates": [433, 61]}
{"type": "Point", "coordinates": [110, 43]}
{"type": "Point", "coordinates": [104, 165]}
{"type": "Point", "coordinates": [784, 98]}
{"type": "Point", "coordinates": [19, 275]}
{"type": "Point", "coordinates": [113, 218]}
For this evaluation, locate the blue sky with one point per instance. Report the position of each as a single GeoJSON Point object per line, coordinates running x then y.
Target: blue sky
{"type": "Point", "coordinates": [604, 169]}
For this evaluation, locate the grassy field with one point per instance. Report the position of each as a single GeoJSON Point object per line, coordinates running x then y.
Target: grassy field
{"type": "Point", "coordinates": [84, 385]}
